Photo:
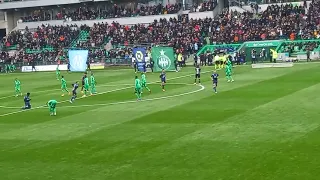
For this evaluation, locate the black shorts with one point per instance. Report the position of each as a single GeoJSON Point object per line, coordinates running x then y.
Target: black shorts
{"type": "Point", "coordinates": [74, 93]}
{"type": "Point", "coordinates": [163, 80]}
{"type": "Point", "coordinates": [197, 76]}
{"type": "Point", "coordinates": [27, 106]}
{"type": "Point", "coordinates": [215, 83]}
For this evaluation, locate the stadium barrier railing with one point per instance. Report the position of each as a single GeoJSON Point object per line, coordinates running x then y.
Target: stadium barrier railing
{"type": "Point", "coordinates": [276, 45]}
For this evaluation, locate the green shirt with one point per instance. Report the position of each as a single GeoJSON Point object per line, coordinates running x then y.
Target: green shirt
{"type": "Point", "coordinates": [93, 80]}
{"type": "Point", "coordinates": [143, 78]}
{"type": "Point", "coordinates": [86, 81]}
{"type": "Point", "coordinates": [229, 63]}
{"type": "Point", "coordinates": [63, 81]}
{"type": "Point", "coordinates": [17, 83]}
{"type": "Point", "coordinates": [13, 67]}
{"type": "Point", "coordinates": [57, 70]}
{"type": "Point", "coordinates": [137, 83]}
{"type": "Point", "coordinates": [52, 102]}
{"type": "Point", "coordinates": [228, 69]}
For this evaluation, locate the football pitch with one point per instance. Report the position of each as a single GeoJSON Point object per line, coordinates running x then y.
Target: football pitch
{"type": "Point", "coordinates": [265, 125]}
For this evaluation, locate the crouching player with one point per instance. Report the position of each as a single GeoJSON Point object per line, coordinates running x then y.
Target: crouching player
{"type": "Point", "coordinates": [214, 78]}
{"type": "Point", "coordinates": [74, 92]}
{"type": "Point", "coordinates": [52, 107]}
{"type": "Point", "coordinates": [27, 100]}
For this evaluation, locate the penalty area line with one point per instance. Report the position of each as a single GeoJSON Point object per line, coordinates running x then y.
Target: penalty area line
{"type": "Point", "coordinates": [143, 100]}
{"type": "Point", "coordinates": [44, 106]}
{"type": "Point", "coordinates": [51, 90]}
{"type": "Point", "coordinates": [15, 107]}
{"type": "Point", "coordinates": [104, 85]}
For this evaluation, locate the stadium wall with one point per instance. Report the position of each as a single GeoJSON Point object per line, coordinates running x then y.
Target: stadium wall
{"type": "Point", "coordinates": [42, 3]}
{"type": "Point", "coordinates": [35, 3]}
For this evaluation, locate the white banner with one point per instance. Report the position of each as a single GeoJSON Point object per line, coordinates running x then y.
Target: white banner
{"type": "Point", "coordinates": [78, 59]}
{"type": "Point", "coordinates": [97, 66]}
{"type": "Point", "coordinates": [62, 67]}
{"type": "Point", "coordinates": [272, 65]}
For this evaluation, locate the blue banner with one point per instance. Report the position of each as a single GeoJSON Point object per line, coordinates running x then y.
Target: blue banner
{"type": "Point", "coordinates": [78, 60]}
{"type": "Point", "coordinates": [139, 55]}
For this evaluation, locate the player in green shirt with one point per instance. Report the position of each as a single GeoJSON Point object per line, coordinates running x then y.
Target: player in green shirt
{"type": "Point", "coordinates": [52, 107]}
{"type": "Point", "coordinates": [137, 87]}
{"type": "Point", "coordinates": [58, 72]}
{"type": "Point", "coordinates": [229, 71]}
{"type": "Point", "coordinates": [12, 68]}
{"type": "Point", "coordinates": [17, 87]}
{"type": "Point", "coordinates": [144, 82]}
{"type": "Point", "coordinates": [93, 84]}
{"type": "Point", "coordinates": [7, 68]}
{"type": "Point", "coordinates": [86, 86]}
{"type": "Point", "coordinates": [64, 86]}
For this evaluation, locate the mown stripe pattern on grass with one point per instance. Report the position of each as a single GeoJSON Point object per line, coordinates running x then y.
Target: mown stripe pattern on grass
{"type": "Point", "coordinates": [263, 126]}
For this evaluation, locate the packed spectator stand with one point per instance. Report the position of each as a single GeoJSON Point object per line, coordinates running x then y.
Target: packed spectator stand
{"type": "Point", "coordinates": [184, 34]}
{"type": "Point", "coordinates": [99, 10]}
{"type": "Point", "coordinates": [106, 10]}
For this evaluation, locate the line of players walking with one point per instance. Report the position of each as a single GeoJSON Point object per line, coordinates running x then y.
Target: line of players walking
{"type": "Point", "coordinates": [215, 75]}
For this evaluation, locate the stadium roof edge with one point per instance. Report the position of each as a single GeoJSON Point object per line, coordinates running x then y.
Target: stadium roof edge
{"type": "Point", "coordinates": [39, 3]}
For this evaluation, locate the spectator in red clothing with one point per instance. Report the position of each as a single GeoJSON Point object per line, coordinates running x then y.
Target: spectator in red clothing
{"type": "Point", "coordinates": [277, 21]}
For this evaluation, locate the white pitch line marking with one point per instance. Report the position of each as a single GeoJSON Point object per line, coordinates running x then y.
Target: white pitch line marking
{"type": "Point", "coordinates": [13, 107]}
{"type": "Point", "coordinates": [134, 101]}
{"type": "Point", "coordinates": [16, 112]}
{"type": "Point", "coordinates": [104, 85]}
{"type": "Point", "coordinates": [44, 91]}
{"type": "Point", "coordinates": [8, 107]}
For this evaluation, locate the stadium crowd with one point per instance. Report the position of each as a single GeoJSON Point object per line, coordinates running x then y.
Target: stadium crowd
{"type": "Point", "coordinates": [103, 10]}
{"type": "Point", "coordinates": [185, 35]}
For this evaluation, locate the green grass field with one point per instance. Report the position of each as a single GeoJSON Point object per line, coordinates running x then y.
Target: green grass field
{"type": "Point", "coordinates": [265, 125]}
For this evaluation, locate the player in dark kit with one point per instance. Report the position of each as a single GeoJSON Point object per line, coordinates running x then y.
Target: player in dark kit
{"type": "Point", "coordinates": [163, 79]}
{"type": "Point", "coordinates": [88, 65]}
{"type": "Point", "coordinates": [197, 75]}
{"type": "Point", "coordinates": [214, 78]}
{"type": "Point", "coordinates": [68, 66]}
{"type": "Point", "coordinates": [27, 100]}
{"type": "Point", "coordinates": [74, 92]}
{"type": "Point", "coordinates": [82, 82]}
